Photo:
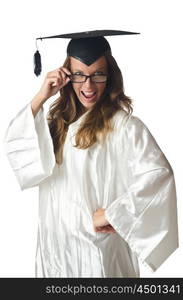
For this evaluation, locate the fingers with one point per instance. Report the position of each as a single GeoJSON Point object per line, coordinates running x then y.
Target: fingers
{"type": "Point", "coordinates": [55, 81]}
{"type": "Point", "coordinates": [65, 70]}
{"type": "Point", "coordinates": [58, 77]}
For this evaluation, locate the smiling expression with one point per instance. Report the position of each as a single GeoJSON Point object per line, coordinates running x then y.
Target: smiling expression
{"type": "Point", "coordinates": [89, 92]}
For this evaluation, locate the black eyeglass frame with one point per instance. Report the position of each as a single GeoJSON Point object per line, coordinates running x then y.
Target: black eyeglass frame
{"type": "Point", "coordinates": [88, 76]}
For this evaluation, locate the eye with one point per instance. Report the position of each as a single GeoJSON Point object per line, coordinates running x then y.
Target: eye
{"type": "Point", "coordinates": [99, 73]}
{"type": "Point", "coordinates": [78, 73]}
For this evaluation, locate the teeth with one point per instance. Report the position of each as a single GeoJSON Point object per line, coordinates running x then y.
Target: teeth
{"type": "Point", "coordinates": [89, 93]}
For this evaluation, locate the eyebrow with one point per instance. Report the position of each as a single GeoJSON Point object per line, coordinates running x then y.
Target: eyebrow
{"type": "Point", "coordinates": [97, 70]}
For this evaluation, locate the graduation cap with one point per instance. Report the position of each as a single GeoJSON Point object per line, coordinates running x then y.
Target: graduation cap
{"type": "Point", "coordinates": [85, 46]}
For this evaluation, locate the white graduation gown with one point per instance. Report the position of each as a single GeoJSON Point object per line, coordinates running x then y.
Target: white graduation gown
{"type": "Point", "coordinates": [128, 175]}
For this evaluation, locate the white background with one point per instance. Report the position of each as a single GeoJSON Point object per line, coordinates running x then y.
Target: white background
{"type": "Point", "coordinates": [152, 68]}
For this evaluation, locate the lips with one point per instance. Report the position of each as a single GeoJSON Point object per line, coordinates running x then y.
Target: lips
{"type": "Point", "coordinates": [89, 96]}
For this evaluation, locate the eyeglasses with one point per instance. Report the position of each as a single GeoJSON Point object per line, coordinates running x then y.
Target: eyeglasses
{"type": "Point", "coordinates": [80, 78]}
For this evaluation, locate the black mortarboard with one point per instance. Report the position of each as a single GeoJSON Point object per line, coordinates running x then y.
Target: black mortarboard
{"type": "Point", "coordinates": [85, 46]}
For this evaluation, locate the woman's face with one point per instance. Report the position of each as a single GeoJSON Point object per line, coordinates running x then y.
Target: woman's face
{"type": "Point", "coordinates": [89, 92]}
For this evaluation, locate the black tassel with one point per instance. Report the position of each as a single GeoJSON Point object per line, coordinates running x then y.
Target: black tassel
{"type": "Point", "coordinates": [37, 63]}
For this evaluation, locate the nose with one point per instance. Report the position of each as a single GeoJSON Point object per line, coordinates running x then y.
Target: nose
{"type": "Point", "coordinates": [88, 83]}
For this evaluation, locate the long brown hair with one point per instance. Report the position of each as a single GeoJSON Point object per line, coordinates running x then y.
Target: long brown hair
{"type": "Point", "coordinates": [67, 109]}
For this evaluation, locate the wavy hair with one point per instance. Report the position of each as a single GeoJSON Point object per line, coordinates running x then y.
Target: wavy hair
{"type": "Point", "coordinates": [97, 123]}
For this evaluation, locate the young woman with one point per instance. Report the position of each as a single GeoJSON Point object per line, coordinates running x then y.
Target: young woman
{"type": "Point", "coordinates": [107, 192]}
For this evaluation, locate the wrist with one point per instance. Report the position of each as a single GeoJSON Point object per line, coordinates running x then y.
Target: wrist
{"type": "Point", "coordinates": [39, 99]}
{"type": "Point", "coordinates": [36, 104]}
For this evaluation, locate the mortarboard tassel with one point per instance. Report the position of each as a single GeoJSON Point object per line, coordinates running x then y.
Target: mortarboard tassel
{"type": "Point", "coordinates": [37, 63]}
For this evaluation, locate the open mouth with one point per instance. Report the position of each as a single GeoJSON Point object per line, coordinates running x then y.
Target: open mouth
{"type": "Point", "coordinates": [89, 95]}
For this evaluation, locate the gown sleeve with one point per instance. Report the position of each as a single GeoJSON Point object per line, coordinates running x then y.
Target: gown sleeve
{"type": "Point", "coordinates": [29, 148]}
{"type": "Point", "coordinates": [145, 216]}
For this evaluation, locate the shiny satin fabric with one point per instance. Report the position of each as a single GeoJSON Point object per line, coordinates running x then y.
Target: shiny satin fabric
{"type": "Point", "coordinates": [128, 175]}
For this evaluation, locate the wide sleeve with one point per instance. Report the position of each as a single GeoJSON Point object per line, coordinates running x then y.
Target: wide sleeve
{"type": "Point", "coordinates": [29, 148]}
{"type": "Point", "coordinates": [145, 216]}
